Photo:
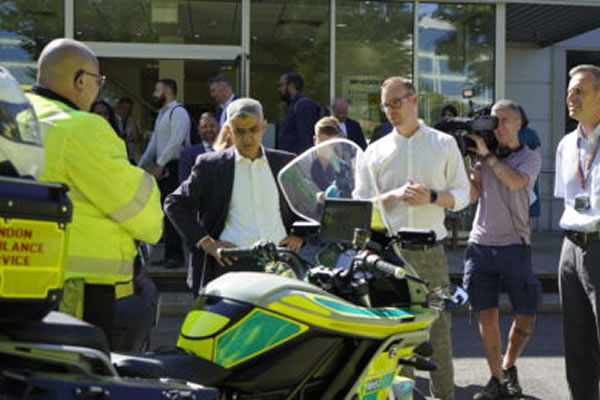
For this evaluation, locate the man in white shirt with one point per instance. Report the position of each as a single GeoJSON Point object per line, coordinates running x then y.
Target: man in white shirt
{"type": "Point", "coordinates": [417, 171]}
{"type": "Point", "coordinates": [161, 158]}
{"type": "Point", "coordinates": [235, 195]}
{"type": "Point", "coordinates": [221, 91]}
{"type": "Point", "coordinates": [578, 183]}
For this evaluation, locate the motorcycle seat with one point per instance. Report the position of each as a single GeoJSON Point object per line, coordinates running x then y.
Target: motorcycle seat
{"type": "Point", "coordinates": [174, 364]}
{"type": "Point", "coordinates": [57, 328]}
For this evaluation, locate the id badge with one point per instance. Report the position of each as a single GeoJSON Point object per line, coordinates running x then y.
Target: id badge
{"type": "Point", "coordinates": [582, 202]}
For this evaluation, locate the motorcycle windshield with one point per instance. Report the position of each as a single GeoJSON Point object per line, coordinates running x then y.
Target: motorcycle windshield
{"type": "Point", "coordinates": [330, 170]}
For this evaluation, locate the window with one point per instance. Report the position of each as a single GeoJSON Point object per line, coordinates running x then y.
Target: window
{"type": "Point", "coordinates": [159, 21]}
{"type": "Point", "coordinates": [288, 36]}
{"type": "Point", "coordinates": [374, 40]}
{"type": "Point", "coordinates": [25, 28]}
{"type": "Point", "coordinates": [458, 41]}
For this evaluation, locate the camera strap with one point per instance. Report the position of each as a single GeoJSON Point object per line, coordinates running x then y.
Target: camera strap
{"type": "Point", "coordinates": [582, 173]}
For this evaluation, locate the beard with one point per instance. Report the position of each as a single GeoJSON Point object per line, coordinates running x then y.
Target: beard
{"type": "Point", "coordinates": [285, 97]}
{"type": "Point", "coordinates": [158, 102]}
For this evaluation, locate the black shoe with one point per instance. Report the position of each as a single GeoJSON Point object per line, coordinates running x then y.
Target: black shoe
{"type": "Point", "coordinates": [494, 390]}
{"type": "Point", "coordinates": [171, 263]}
{"type": "Point", "coordinates": [511, 382]}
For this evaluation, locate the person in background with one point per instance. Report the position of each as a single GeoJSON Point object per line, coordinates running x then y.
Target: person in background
{"type": "Point", "coordinates": [171, 134]}
{"type": "Point", "coordinates": [349, 127]}
{"type": "Point", "coordinates": [296, 131]}
{"type": "Point", "coordinates": [134, 137]}
{"type": "Point", "coordinates": [105, 110]}
{"type": "Point", "coordinates": [221, 91]}
{"type": "Point", "coordinates": [207, 130]}
{"type": "Point", "coordinates": [530, 138]}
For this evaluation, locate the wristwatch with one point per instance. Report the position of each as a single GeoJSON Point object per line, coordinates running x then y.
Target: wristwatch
{"type": "Point", "coordinates": [433, 196]}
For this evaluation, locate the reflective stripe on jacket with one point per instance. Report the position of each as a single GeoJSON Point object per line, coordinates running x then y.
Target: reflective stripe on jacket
{"type": "Point", "coordinates": [114, 203]}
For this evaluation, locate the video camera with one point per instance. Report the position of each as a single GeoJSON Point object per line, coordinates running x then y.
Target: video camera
{"type": "Point", "coordinates": [479, 123]}
{"type": "Point", "coordinates": [482, 126]}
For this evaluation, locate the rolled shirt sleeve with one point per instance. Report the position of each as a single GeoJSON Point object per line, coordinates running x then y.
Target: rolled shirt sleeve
{"type": "Point", "coordinates": [179, 124]}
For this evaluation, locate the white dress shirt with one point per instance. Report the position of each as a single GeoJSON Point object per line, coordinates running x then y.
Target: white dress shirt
{"type": "Point", "coordinates": [429, 157]}
{"type": "Point", "coordinates": [223, 117]}
{"type": "Point", "coordinates": [171, 133]}
{"type": "Point", "coordinates": [254, 212]}
{"type": "Point", "coordinates": [344, 129]}
{"type": "Point", "coordinates": [567, 185]}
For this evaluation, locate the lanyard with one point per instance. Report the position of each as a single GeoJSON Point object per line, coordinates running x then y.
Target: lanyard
{"type": "Point", "coordinates": [581, 173]}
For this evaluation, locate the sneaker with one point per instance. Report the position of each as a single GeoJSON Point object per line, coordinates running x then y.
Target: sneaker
{"type": "Point", "coordinates": [492, 391]}
{"type": "Point", "coordinates": [511, 381]}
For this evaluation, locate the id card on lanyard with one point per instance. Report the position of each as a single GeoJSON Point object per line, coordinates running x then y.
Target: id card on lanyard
{"type": "Point", "coordinates": [582, 201]}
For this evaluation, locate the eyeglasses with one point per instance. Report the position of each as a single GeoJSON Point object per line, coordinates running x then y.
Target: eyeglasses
{"type": "Point", "coordinates": [100, 79]}
{"type": "Point", "coordinates": [395, 103]}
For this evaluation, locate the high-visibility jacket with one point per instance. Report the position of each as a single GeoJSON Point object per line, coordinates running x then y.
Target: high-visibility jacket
{"type": "Point", "coordinates": [114, 203]}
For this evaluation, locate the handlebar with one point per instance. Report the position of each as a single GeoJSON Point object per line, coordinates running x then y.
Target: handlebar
{"type": "Point", "coordinates": [266, 251]}
{"type": "Point", "coordinates": [373, 261]}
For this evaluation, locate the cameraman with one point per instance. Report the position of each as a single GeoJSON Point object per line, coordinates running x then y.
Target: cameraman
{"type": "Point", "coordinates": [499, 252]}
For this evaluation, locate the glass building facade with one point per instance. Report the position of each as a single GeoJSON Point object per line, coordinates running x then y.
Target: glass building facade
{"type": "Point", "coordinates": [342, 48]}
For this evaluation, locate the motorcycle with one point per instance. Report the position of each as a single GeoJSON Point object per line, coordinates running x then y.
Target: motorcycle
{"type": "Point", "coordinates": [342, 333]}
{"type": "Point", "coordinates": [336, 332]}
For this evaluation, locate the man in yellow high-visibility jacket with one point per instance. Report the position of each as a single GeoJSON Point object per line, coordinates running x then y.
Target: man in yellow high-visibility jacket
{"type": "Point", "coordinates": [114, 202]}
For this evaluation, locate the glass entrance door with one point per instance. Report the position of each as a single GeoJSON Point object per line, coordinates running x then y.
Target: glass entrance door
{"type": "Point", "coordinates": [135, 78]}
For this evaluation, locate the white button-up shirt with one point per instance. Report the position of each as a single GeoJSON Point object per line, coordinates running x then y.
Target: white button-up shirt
{"type": "Point", "coordinates": [254, 212]}
{"type": "Point", "coordinates": [429, 157]}
{"type": "Point", "coordinates": [171, 133]}
{"type": "Point", "coordinates": [566, 185]}
{"type": "Point", "coordinates": [223, 117]}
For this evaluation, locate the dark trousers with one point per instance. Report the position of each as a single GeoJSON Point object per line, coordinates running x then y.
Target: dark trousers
{"type": "Point", "coordinates": [99, 308]}
{"type": "Point", "coordinates": [167, 184]}
{"type": "Point", "coordinates": [579, 285]}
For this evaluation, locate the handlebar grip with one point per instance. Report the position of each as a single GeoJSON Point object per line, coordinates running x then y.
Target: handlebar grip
{"type": "Point", "coordinates": [386, 267]}
{"type": "Point", "coordinates": [239, 252]}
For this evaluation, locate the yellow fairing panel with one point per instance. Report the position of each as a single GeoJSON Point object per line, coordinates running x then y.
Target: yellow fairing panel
{"type": "Point", "coordinates": [336, 314]}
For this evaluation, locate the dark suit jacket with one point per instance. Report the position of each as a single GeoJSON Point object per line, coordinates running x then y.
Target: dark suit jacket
{"type": "Point", "coordinates": [187, 159]}
{"type": "Point", "coordinates": [355, 133]}
{"type": "Point", "coordinates": [200, 204]}
{"type": "Point", "coordinates": [298, 126]}
{"type": "Point", "coordinates": [219, 110]}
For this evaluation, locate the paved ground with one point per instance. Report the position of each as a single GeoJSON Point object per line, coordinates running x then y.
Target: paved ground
{"type": "Point", "coordinates": [541, 367]}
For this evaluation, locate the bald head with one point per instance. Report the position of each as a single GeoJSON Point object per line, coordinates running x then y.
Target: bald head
{"type": "Point", "coordinates": [340, 109]}
{"type": "Point", "coordinates": [67, 67]}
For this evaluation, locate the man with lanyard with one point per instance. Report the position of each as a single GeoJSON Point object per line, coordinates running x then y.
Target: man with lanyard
{"type": "Point", "coordinates": [171, 133]}
{"type": "Point", "coordinates": [578, 183]}
{"type": "Point", "coordinates": [420, 172]}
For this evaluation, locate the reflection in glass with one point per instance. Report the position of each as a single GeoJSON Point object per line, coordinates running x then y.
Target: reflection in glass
{"type": "Point", "coordinates": [288, 36]}
{"type": "Point", "coordinates": [25, 28]}
{"type": "Point", "coordinates": [456, 49]}
{"type": "Point", "coordinates": [159, 21]}
{"type": "Point", "coordinates": [374, 40]}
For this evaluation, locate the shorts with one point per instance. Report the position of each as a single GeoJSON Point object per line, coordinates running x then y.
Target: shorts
{"type": "Point", "coordinates": [489, 269]}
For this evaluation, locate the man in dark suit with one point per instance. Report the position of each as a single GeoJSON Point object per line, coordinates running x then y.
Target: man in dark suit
{"type": "Point", "coordinates": [221, 91]}
{"type": "Point", "coordinates": [232, 198]}
{"type": "Point", "coordinates": [302, 113]}
{"type": "Point", "coordinates": [207, 130]}
{"type": "Point", "coordinates": [350, 128]}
